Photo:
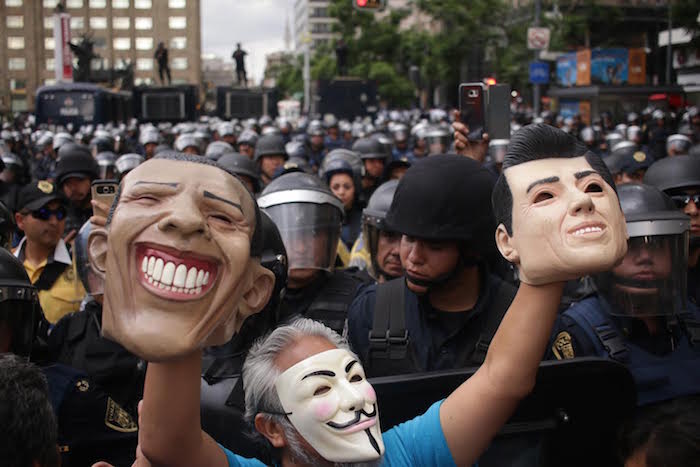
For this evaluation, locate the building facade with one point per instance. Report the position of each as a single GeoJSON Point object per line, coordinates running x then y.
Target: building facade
{"type": "Point", "coordinates": [312, 24]}
{"type": "Point", "coordinates": [123, 32]}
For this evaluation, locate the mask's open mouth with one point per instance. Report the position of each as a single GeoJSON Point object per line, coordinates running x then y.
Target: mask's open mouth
{"type": "Point", "coordinates": [357, 423]}
{"type": "Point", "coordinates": [588, 230]}
{"type": "Point", "coordinates": [173, 274]}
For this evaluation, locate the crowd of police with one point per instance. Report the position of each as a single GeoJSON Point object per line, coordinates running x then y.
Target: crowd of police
{"type": "Point", "coordinates": [370, 229]}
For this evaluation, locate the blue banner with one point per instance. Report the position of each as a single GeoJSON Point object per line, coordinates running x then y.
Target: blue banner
{"type": "Point", "coordinates": [566, 70]}
{"type": "Point", "coordinates": [609, 66]}
{"type": "Point", "coordinates": [539, 72]}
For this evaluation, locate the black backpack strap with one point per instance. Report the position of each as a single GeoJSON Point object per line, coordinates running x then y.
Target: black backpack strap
{"type": "Point", "coordinates": [691, 326]}
{"type": "Point", "coordinates": [330, 306]}
{"type": "Point", "coordinates": [388, 338]}
{"type": "Point", "coordinates": [494, 316]}
{"type": "Point", "coordinates": [52, 271]}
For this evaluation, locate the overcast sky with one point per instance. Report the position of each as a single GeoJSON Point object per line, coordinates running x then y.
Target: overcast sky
{"type": "Point", "coordinates": [257, 24]}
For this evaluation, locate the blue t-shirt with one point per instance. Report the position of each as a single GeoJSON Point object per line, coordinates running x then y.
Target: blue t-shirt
{"type": "Point", "coordinates": [417, 442]}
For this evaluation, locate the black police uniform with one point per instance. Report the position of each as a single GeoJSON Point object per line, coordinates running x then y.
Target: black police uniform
{"type": "Point", "coordinates": [77, 341]}
{"type": "Point", "coordinates": [428, 339]}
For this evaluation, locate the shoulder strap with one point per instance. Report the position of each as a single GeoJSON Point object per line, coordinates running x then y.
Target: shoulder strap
{"type": "Point", "coordinates": [494, 316]}
{"type": "Point", "coordinates": [52, 271]}
{"type": "Point", "coordinates": [599, 329]}
{"type": "Point", "coordinates": [388, 337]}
{"type": "Point", "coordinates": [331, 304]}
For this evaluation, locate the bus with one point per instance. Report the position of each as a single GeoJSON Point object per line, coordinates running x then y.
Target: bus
{"type": "Point", "coordinates": [166, 103]}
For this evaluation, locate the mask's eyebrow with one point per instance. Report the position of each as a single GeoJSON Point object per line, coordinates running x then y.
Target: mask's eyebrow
{"type": "Point", "coordinates": [320, 373]}
{"type": "Point", "coordinates": [541, 182]}
{"type": "Point", "coordinates": [170, 184]}
{"type": "Point", "coordinates": [210, 195]}
{"type": "Point", "coordinates": [349, 366]}
{"type": "Point", "coordinates": [584, 174]}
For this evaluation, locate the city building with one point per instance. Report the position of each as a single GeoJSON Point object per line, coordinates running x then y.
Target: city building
{"type": "Point", "coordinates": [124, 31]}
{"type": "Point", "coordinates": [273, 64]}
{"type": "Point", "coordinates": [312, 24]}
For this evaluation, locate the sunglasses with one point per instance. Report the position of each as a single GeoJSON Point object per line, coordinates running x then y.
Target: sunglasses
{"type": "Point", "coordinates": [683, 200]}
{"type": "Point", "coordinates": [45, 213]}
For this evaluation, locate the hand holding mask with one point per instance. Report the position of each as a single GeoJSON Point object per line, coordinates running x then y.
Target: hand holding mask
{"type": "Point", "coordinates": [559, 215]}
{"type": "Point", "coordinates": [176, 257]}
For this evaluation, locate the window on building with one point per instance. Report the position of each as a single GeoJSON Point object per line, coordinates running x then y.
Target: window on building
{"type": "Point", "coordinates": [121, 22]}
{"type": "Point", "coordinates": [177, 3]}
{"type": "Point", "coordinates": [49, 43]}
{"type": "Point", "coordinates": [122, 43]}
{"type": "Point", "coordinates": [120, 3]}
{"type": "Point", "coordinates": [144, 64]}
{"type": "Point", "coordinates": [50, 64]}
{"type": "Point", "coordinates": [19, 104]}
{"type": "Point", "coordinates": [98, 3]}
{"type": "Point", "coordinates": [99, 63]}
{"type": "Point", "coordinates": [178, 43]}
{"type": "Point", "coordinates": [177, 22]}
{"type": "Point", "coordinates": [77, 22]}
{"type": "Point", "coordinates": [50, 3]}
{"type": "Point", "coordinates": [16, 63]}
{"type": "Point", "coordinates": [144, 43]}
{"type": "Point", "coordinates": [98, 22]}
{"type": "Point", "coordinates": [74, 3]}
{"type": "Point", "coordinates": [13, 2]}
{"type": "Point", "coordinates": [18, 84]}
{"type": "Point", "coordinates": [48, 22]}
{"type": "Point", "coordinates": [143, 23]}
{"type": "Point", "coordinates": [14, 42]}
{"type": "Point", "coordinates": [179, 63]}
{"type": "Point", "coordinates": [143, 4]}
{"type": "Point", "coordinates": [100, 42]}
{"type": "Point", "coordinates": [15, 21]}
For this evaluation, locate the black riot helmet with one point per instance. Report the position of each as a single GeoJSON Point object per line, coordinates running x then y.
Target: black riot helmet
{"type": "Point", "coordinates": [106, 164]}
{"type": "Point", "coordinates": [93, 283]}
{"type": "Point", "coordinates": [446, 198]}
{"type": "Point", "coordinates": [651, 279]}
{"type": "Point", "coordinates": [75, 160]}
{"type": "Point", "coordinates": [674, 173]}
{"type": "Point", "coordinates": [374, 221]}
{"type": "Point", "coordinates": [20, 312]}
{"type": "Point", "coordinates": [217, 148]}
{"type": "Point", "coordinates": [308, 216]}
{"type": "Point", "coordinates": [270, 145]}
{"type": "Point", "coordinates": [370, 148]}
{"type": "Point", "coordinates": [242, 166]}
{"type": "Point", "coordinates": [14, 164]}
{"type": "Point", "coordinates": [351, 157]}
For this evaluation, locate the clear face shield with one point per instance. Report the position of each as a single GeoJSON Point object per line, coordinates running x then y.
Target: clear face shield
{"type": "Point", "coordinates": [651, 280]}
{"type": "Point", "coordinates": [310, 233]}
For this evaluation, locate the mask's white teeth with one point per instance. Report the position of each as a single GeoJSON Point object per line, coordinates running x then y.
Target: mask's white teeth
{"type": "Point", "coordinates": [158, 269]}
{"type": "Point", "coordinates": [191, 278]}
{"type": "Point", "coordinates": [144, 264]}
{"type": "Point", "coordinates": [205, 281]}
{"type": "Point", "coordinates": [168, 273]}
{"type": "Point", "coordinates": [151, 265]}
{"type": "Point", "coordinates": [200, 278]}
{"type": "Point", "coordinates": [180, 275]}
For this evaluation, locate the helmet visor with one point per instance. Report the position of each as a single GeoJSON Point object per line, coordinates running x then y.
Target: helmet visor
{"type": "Point", "coordinates": [652, 278]}
{"type": "Point", "coordinates": [310, 233]}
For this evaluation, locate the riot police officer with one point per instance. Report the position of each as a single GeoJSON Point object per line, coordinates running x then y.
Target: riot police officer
{"type": "Point", "coordinates": [270, 154]}
{"type": "Point", "coordinates": [222, 398]}
{"type": "Point", "coordinates": [243, 167]}
{"type": "Point", "coordinates": [640, 315]}
{"type": "Point", "coordinates": [341, 180]}
{"type": "Point", "coordinates": [375, 158]}
{"type": "Point", "coordinates": [92, 426]}
{"type": "Point", "coordinates": [126, 163]}
{"type": "Point", "coordinates": [216, 148]}
{"type": "Point", "coordinates": [444, 311]}
{"type": "Point", "coordinates": [377, 248]}
{"type": "Point", "coordinates": [309, 219]}
{"type": "Point", "coordinates": [679, 177]}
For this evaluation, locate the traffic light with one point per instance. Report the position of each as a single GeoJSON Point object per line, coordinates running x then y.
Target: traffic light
{"type": "Point", "coordinates": [369, 5]}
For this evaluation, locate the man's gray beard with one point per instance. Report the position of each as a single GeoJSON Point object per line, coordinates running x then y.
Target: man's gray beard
{"type": "Point", "coordinates": [301, 456]}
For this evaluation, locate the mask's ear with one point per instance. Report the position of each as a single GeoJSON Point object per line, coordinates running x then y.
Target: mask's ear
{"type": "Point", "coordinates": [258, 294]}
{"type": "Point", "coordinates": [504, 242]}
{"type": "Point", "coordinates": [97, 251]}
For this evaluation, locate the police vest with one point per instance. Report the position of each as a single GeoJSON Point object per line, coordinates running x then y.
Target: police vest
{"type": "Point", "coordinates": [390, 352]}
{"type": "Point", "coordinates": [330, 306]}
{"type": "Point", "coordinates": [658, 378]}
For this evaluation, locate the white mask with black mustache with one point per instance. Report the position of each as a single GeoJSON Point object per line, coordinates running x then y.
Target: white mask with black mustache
{"type": "Point", "coordinates": [329, 401]}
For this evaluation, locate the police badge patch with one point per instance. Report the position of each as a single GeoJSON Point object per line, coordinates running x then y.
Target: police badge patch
{"type": "Point", "coordinates": [119, 419]}
{"type": "Point", "coordinates": [45, 186]}
{"type": "Point", "coordinates": [562, 347]}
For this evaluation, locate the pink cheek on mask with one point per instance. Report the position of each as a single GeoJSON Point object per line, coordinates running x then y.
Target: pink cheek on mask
{"type": "Point", "coordinates": [370, 395]}
{"type": "Point", "coordinates": [323, 411]}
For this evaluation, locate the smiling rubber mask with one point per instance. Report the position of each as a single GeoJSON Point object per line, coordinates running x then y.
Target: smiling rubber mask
{"type": "Point", "coordinates": [330, 403]}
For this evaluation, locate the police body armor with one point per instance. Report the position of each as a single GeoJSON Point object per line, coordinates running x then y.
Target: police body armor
{"type": "Point", "coordinates": [657, 377]}
{"type": "Point", "coordinates": [390, 349]}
